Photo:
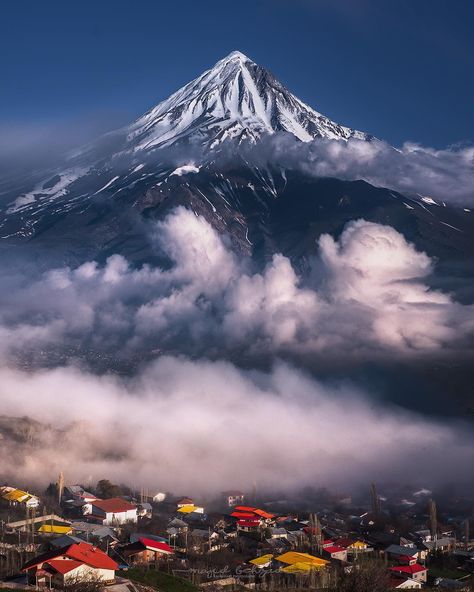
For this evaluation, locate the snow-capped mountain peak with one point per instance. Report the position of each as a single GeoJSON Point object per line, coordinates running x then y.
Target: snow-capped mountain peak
{"type": "Point", "coordinates": [236, 99]}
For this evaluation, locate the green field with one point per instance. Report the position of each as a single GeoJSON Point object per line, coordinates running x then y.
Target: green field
{"type": "Point", "coordinates": [157, 579]}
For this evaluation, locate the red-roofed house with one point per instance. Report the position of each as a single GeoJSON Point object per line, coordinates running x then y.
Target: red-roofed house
{"type": "Point", "coordinates": [244, 508]}
{"type": "Point", "coordinates": [111, 512]}
{"type": "Point", "coordinates": [248, 524]}
{"type": "Point", "coordinates": [250, 513]}
{"type": "Point", "coordinates": [75, 563]}
{"type": "Point", "coordinates": [335, 552]}
{"type": "Point", "coordinates": [406, 560]}
{"type": "Point", "coordinates": [146, 551]}
{"type": "Point", "coordinates": [416, 572]}
{"type": "Point", "coordinates": [243, 515]}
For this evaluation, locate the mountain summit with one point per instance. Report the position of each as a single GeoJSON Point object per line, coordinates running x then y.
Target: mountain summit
{"type": "Point", "coordinates": [104, 199]}
{"type": "Point", "coordinates": [236, 99]}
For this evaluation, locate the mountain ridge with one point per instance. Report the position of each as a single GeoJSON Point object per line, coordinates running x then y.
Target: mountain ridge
{"type": "Point", "coordinates": [236, 98]}
{"type": "Point", "coordinates": [191, 150]}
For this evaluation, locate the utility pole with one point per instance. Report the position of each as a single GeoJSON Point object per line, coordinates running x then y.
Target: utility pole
{"type": "Point", "coordinates": [467, 534]}
{"type": "Point", "coordinates": [315, 533]}
{"type": "Point", "coordinates": [60, 487]}
{"type": "Point", "coordinates": [375, 500]}
{"type": "Point", "coordinates": [433, 522]}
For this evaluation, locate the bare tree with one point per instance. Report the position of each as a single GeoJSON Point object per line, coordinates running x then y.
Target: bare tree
{"type": "Point", "coordinates": [367, 576]}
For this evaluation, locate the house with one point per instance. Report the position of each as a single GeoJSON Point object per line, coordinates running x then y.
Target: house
{"type": "Point", "coordinates": [402, 583]}
{"type": "Point", "coordinates": [249, 513]}
{"type": "Point", "coordinates": [278, 533]}
{"type": "Point", "coordinates": [113, 511]}
{"type": "Point", "coordinates": [146, 551]}
{"type": "Point", "coordinates": [443, 544]}
{"type": "Point", "coordinates": [62, 526]}
{"type": "Point", "coordinates": [201, 539]}
{"type": "Point", "coordinates": [353, 546]}
{"type": "Point", "coordinates": [416, 572]}
{"type": "Point", "coordinates": [159, 497]}
{"type": "Point", "coordinates": [335, 552]}
{"type": "Point", "coordinates": [93, 532]}
{"type": "Point", "coordinates": [76, 563]}
{"type": "Point", "coordinates": [233, 497]}
{"type": "Point", "coordinates": [248, 524]}
{"type": "Point", "coordinates": [263, 561]}
{"type": "Point", "coordinates": [396, 551]}
{"type": "Point", "coordinates": [17, 496]}
{"type": "Point", "coordinates": [53, 527]}
{"type": "Point", "coordinates": [77, 493]}
{"type": "Point", "coordinates": [179, 524]}
{"type": "Point", "coordinates": [190, 509]}
{"type": "Point", "coordinates": [184, 501]}
{"type": "Point", "coordinates": [277, 546]}
{"type": "Point", "coordinates": [144, 510]}
{"type": "Point", "coordinates": [65, 541]}
{"type": "Point", "coordinates": [449, 584]}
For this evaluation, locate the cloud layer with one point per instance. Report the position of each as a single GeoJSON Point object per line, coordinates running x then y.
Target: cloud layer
{"type": "Point", "coordinates": [199, 427]}
{"type": "Point", "coordinates": [366, 293]}
{"type": "Point", "coordinates": [446, 174]}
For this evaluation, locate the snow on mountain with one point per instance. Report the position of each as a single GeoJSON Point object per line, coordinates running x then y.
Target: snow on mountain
{"type": "Point", "coordinates": [236, 99]}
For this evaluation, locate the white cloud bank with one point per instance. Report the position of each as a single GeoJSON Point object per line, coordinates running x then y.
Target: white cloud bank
{"type": "Point", "coordinates": [367, 293]}
{"type": "Point", "coordinates": [199, 427]}
{"type": "Point", "coordinates": [447, 174]}
{"type": "Point", "coordinates": [202, 425]}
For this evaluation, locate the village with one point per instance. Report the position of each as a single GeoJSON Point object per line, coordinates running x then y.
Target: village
{"type": "Point", "coordinates": [71, 537]}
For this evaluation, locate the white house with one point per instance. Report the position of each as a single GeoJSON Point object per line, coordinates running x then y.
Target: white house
{"type": "Point", "coordinates": [401, 583]}
{"type": "Point", "coordinates": [111, 512]}
{"type": "Point", "coordinates": [233, 497]}
{"type": "Point", "coordinates": [159, 497]}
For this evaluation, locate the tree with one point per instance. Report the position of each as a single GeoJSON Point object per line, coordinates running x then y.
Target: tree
{"type": "Point", "coordinates": [367, 576]}
{"type": "Point", "coordinates": [89, 584]}
{"type": "Point", "coordinates": [106, 489]}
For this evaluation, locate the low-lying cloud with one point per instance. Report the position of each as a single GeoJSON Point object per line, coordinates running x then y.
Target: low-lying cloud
{"type": "Point", "coordinates": [196, 425]}
{"type": "Point", "coordinates": [446, 174]}
{"type": "Point", "coordinates": [366, 295]}
{"type": "Point", "coordinates": [200, 426]}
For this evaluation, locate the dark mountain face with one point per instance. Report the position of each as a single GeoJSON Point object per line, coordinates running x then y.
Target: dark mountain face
{"type": "Point", "coordinates": [261, 211]}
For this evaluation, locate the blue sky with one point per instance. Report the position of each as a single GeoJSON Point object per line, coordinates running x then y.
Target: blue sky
{"type": "Point", "coordinates": [400, 69]}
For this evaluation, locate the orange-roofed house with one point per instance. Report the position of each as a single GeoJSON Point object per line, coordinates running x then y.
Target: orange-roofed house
{"type": "Point", "coordinates": [248, 512]}
{"type": "Point", "coordinates": [76, 563]}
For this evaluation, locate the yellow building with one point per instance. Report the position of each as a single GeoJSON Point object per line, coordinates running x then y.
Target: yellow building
{"type": "Point", "coordinates": [18, 496]}
{"type": "Point", "coordinates": [297, 568]}
{"type": "Point", "coordinates": [48, 528]}
{"type": "Point", "coordinates": [294, 558]}
{"type": "Point", "coordinates": [263, 561]}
